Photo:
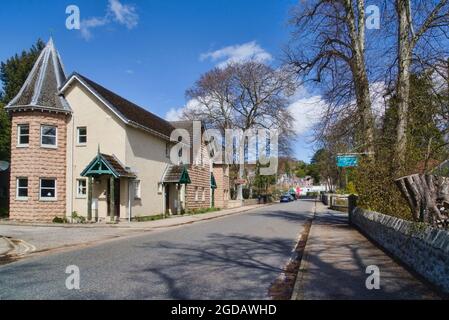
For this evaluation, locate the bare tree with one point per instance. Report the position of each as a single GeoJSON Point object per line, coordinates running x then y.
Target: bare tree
{"type": "Point", "coordinates": [329, 47]}
{"type": "Point", "coordinates": [244, 96]}
{"type": "Point", "coordinates": [212, 94]}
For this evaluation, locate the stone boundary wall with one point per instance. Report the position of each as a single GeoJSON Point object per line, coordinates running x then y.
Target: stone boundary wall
{"type": "Point", "coordinates": [250, 202]}
{"type": "Point", "coordinates": [232, 204]}
{"type": "Point", "coordinates": [423, 248]}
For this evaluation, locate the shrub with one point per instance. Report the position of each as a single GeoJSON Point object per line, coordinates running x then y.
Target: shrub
{"type": "Point", "coordinates": [378, 192]}
{"type": "Point", "coordinates": [4, 213]}
{"type": "Point", "coordinates": [60, 220]}
{"type": "Point", "coordinates": [313, 194]}
{"type": "Point", "coordinates": [203, 211]}
{"type": "Point", "coordinates": [150, 218]}
{"type": "Point", "coordinates": [77, 219]}
{"type": "Point", "coordinates": [246, 193]}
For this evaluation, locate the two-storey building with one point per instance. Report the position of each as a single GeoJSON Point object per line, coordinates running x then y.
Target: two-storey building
{"type": "Point", "coordinates": [79, 147]}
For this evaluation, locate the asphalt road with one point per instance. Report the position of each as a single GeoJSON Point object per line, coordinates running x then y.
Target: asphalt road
{"type": "Point", "coordinates": [235, 257]}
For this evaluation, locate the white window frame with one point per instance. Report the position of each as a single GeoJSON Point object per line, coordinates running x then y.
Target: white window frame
{"type": "Point", "coordinates": [49, 146]}
{"type": "Point", "coordinates": [17, 189]}
{"type": "Point", "coordinates": [197, 193]}
{"type": "Point", "coordinates": [78, 136]}
{"type": "Point", "coordinates": [55, 198]}
{"type": "Point", "coordinates": [167, 150]}
{"type": "Point", "coordinates": [78, 194]}
{"type": "Point", "coordinates": [19, 134]}
{"type": "Point", "coordinates": [137, 184]}
{"type": "Point", "coordinates": [160, 188]}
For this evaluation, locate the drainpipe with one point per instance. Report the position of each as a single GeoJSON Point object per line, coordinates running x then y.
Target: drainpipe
{"type": "Point", "coordinates": [129, 199]}
{"type": "Point", "coordinates": [72, 171]}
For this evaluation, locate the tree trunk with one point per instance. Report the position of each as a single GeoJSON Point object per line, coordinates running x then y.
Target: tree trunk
{"type": "Point", "coordinates": [356, 24]}
{"type": "Point", "coordinates": [240, 186]}
{"type": "Point", "coordinates": [427, 197]}
{"type": "Point", "coordinates": [362, 92]}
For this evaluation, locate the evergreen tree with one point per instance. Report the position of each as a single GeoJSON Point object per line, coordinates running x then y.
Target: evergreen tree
{"type": "Point", "coordinates": [13, 74]}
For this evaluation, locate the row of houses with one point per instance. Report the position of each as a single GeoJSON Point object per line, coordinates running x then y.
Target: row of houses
{"type": "Point", "coordinates": [79, 147]}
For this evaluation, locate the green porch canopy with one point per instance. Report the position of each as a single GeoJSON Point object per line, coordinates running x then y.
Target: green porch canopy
{"type": "Point", "coordinates": [213, 183]}
{"type": "Point", "coordinates": [185, 178]}
{"type": "Point", "coordinates": [104, 164]}
{"type": "Point", "coordinates": [177, 174]}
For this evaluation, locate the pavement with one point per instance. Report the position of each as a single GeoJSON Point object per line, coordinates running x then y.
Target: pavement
{"type": "Point", "coordinates": [335, 260]}
{"type": "Point", "coordinates": [234, 257]}
{"type": "Point", "coordinates": [45, 237]}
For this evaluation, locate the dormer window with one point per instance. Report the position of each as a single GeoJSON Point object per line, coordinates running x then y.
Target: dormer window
{"type": "Point", "coordinates": [23, 135]}
{"type": "Point", "coordinates": [49, 136]}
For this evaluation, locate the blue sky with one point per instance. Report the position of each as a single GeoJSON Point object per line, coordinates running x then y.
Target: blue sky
{"type": "Point", "coordinates": [151, 51]}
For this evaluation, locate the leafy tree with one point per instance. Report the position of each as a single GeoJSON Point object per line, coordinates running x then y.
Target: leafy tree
{"type": "Point", "coordinates": [426, 147]}
{"type": "Point", "coordinates": [13, 74]}
{"type": "Point", "coordinates": [4, 134]}
{"type": "Point", "coordinates": [261, 182]}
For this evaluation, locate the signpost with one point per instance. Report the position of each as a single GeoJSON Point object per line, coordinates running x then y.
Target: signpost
{"type": "Point", "coordinates": [347, 161]}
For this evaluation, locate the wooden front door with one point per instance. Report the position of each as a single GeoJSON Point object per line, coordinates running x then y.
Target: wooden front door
{"type": "Point", "coordinates": [116, 197]}
{"type": "Point", "coordinates": [167, 199]}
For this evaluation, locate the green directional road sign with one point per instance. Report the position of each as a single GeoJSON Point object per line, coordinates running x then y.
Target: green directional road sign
{"type": "Point", "coordinates": [347, 161]}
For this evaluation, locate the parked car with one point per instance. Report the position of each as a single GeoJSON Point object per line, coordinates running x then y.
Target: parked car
{"type": "Point", "coordinates": [287, 198]}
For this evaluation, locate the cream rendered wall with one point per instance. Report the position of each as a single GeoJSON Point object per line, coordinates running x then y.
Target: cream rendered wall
{"type": "Point", "coordinates": [104, 129]}
{"type": "Point", "coordinates": [145, 154]}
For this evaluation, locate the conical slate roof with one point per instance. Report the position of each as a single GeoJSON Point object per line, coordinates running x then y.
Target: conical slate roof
{"type": "Point", "coordinates": [41, 89]}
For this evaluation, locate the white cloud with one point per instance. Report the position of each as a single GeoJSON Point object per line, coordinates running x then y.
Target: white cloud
{"type": "Point", "coordinates": [87, 25]}
{"type": "Point", "coordinates": [377, 93]}
{"type": "Point", "coordinates": [307, 111]}
{"type": "Point", "coordinates": [174, 114]}
{"type": "Point", "coordinates": [129, 71]}
{"type": "Point", "coordinates": [238, 53]}
{"type": "Point", "coordinates": [123, 14]}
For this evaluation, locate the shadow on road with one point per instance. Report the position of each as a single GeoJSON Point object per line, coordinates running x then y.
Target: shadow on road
{"type": "Point", "coordinates": [247, 265]}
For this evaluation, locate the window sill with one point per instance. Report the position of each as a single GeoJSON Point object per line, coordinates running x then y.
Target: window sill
{"type": "Point", "coordinates": [81, 197]}
{"type": "Point", "coordinates": [49, 147]}
{"type": "Point", "coordinates": [23, 146]}
{"type": "Point", "coordinates": [21, 199]}
{"type": "Point", "coordinates": [48, 200]}
{"type": "Point", "coordinates": [81, 145]}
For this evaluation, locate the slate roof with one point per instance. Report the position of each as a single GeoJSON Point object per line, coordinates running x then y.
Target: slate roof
{"type": "Point", "coordinates": [173, 174]}
{"type": "Point", "coordinates": [176, 174]}
{"type": "Point", "coordinates": [112, 163]}
{"type": "Point", "coordinates": [117, 166]}
{"type": "Point", "coordinates": [129, 111]}
{"type": "Point", "coordinates": [41, 88]}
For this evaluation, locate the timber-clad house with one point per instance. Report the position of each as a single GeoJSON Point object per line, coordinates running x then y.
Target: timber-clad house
{"type": "Point", "coordinates": [79, 147]}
